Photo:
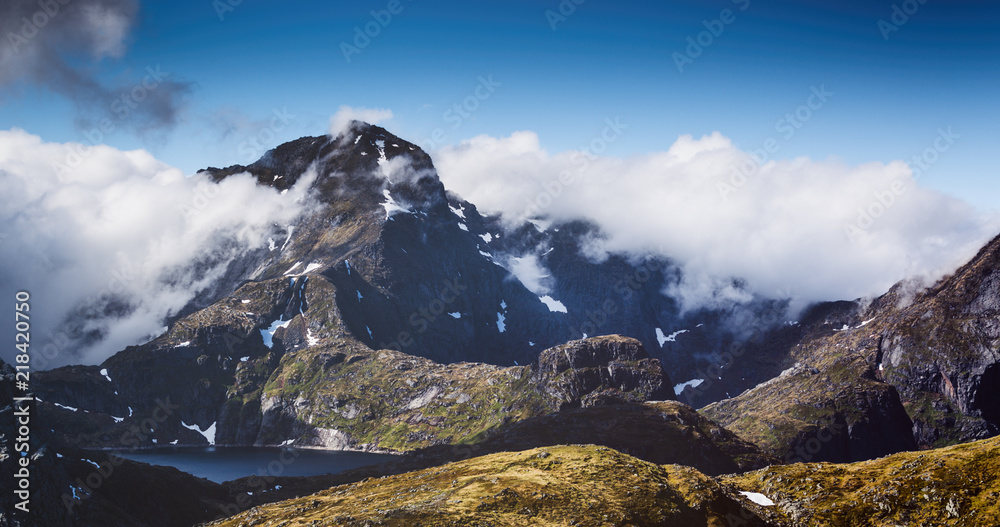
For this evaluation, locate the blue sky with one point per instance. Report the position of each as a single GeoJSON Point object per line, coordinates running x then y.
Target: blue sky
{"type": "Point", "coordinates": [941, 68]}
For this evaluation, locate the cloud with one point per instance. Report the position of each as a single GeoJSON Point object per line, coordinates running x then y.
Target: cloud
{"type": "Point", "coordinates": [793, 228]}
{"type": "Point", "coordinates": [341, 121]}
{"type": "Point", "coordinates": [531, 273]}
{"type": "Point", "coordinates": [108, 250]}
{"type": "Point", "coordinates": [54, 45]}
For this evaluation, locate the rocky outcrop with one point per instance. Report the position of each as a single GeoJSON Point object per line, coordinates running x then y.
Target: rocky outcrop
{"type": "Point", "coordinates": [834, 412]}
{"type": "Point", "coordinates": [601, 370]}
{"type": "Point", "coordinates": [351, 398]}
{"type": "Point", "coordinates": [916, 367]}
{"type": "Point", "coordinates": [941, 348]}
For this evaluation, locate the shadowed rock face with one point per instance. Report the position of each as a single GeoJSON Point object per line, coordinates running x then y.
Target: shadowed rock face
{"type": "Point", "coordinates": [916, 367]}
{"type": "Point", "coordinates": [941, 348]}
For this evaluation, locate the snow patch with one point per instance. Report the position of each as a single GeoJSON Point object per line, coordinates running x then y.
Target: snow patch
{"type": "Point", "coordinates": [369, 332]}
{"type": "Point", "coordinates": [758, 498]}
{"type": "Point", "coordinates": [360, 296]}
{"type": "Point", "coordinates": [104, 372]}
{"type": "Point", "coordinates": [310, 339]}
{"type": "Point", "coordinates": [244, 301]}
{"type": "Point", "coordinates": [694, 383]}
{"type": "Point", "coordinates": [500, 322]}
{"type": "Point", "coordinates": [456, 314]}
{"type": "Point", "coordinates": [288, 239]}
{"type": "Point", "coordinates": [270, 244]}
{"type": "Point", "coordinates": [382, 160]}
{"type": "Point", "coordinates": [292, 268]}
{"type": "Point", "coordinates": [661, 338]}
{"type": "Point", "coordinates": [460, 212]}
{"type": "Point", "coordinates": [486, 237]}
{"type": "Point", "coordinates": [244, 359]}
{"type": "Point", "coordinates": [541, 225]}
{"type": "Point", "coordinates": [209, 432]}
{"type": "Point", "coordinates": [554, 305]}
{"type": "Point", "coordinates": [66, 407]}
{"type": "Point", "coordinates": [268, 334]}
{"type": "Point", "coordinates": [391, 206]}
{"type": "Point", "coordinates": [463, 227]}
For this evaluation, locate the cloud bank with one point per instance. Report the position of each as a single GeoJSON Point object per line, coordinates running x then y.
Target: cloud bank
{"type": "Point", "coordinates": [794, 228]}
{"type": "Point", "coordinates": [110, 249]}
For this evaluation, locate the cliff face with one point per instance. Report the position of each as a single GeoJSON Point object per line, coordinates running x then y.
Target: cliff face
{"type": "Point", "coordinates": [346, 396]}
{"type": "Point", "coordinates": [916, 367]}
{"type": "Point", "coordinates": [942, 350]}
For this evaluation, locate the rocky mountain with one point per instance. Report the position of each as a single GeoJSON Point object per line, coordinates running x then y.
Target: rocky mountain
{"type": "Point", "coordinates": [383, 259]}
{"type": "Point", "coordinates": [75, 487]}
{"type": "Point", "coordinates": [916, 367]}
{"type": "Point", "coordinates": [393, 316]}
{"type": "Point", "coordinates": [345, 396]}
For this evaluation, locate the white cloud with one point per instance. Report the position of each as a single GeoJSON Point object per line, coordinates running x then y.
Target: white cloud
{"type": "Point", "coordinates": [783, 230]}
{"type": "Point", "coordinates": [531, 273]}
{"type": "Point", "coordinates": [341, 120]}
{"type": "Point", "coordinates": [121, 226]}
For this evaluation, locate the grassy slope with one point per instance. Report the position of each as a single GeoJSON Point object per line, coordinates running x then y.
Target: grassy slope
{"type": "Point", "coordinates": [958, 485]}
{"type": "Point", "coordinates": [559, 485]}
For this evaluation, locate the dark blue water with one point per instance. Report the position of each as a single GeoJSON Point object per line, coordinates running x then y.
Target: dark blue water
{"type": "Point", "coordinates": [220, 464]}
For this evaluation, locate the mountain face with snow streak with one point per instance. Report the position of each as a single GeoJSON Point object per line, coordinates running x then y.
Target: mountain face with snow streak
{"type": "Point", "coordinates": [387, 269]}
